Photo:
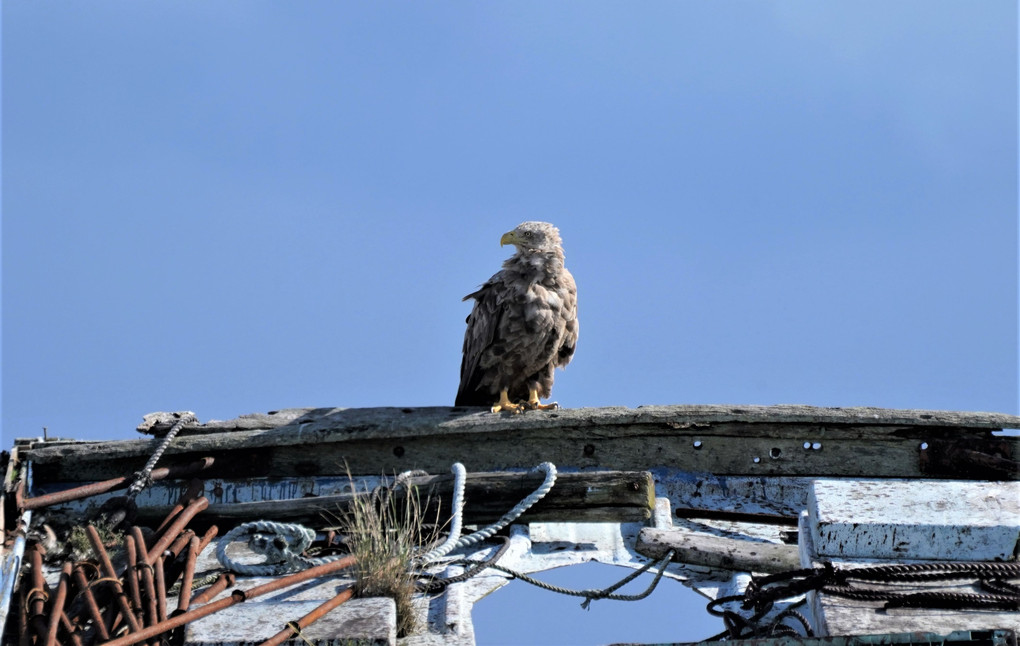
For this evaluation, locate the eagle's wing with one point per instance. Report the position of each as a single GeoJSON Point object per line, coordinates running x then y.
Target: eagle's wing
{"type": "Point", "coordinates": [482, 329]}
{"type": "Point", "coordinates": [569, 313]}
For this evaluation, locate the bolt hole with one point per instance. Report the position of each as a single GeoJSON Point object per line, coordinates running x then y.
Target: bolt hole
{"type": "Point", "coordinates": [924, 446]}
{"type": "Point", "coordinates": [589, 450]}
{"type": "Point", "coordinates": [807, 446]}
{"type": "Point", "coordinates": [775, 452]}
{"type": "Point", "coordinates": [398, 451]}
{"type": "Point", "coordinates": [817, 446]}
{"type": "Point", "coordinates": [756, 459]}
{"type": "Point", "coordinates": [697, 444]}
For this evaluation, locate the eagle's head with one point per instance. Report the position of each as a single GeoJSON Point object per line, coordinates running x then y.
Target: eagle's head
{"type": "Point", "coordinates": [533, 236]}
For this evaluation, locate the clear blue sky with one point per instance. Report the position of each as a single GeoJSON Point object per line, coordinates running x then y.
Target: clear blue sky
{"type": "Point", "coordinates": [231, 207]}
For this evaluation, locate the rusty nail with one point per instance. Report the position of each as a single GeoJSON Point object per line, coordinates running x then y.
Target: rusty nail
{"type": "Point", "coordinates": [313, 616]}
{"type": "Point", "coordinates": [177, 527]}
{"type": "Point", "coordinates": [237, 596]}
{"type": "Point", "coordinates": [90, 602]}
{"type": "Point", "coordinates": [57, 609]}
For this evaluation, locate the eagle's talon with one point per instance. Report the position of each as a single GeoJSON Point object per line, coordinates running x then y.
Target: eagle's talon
{"type": "Point", "coordinates": [534, 403]}
{"type": "Point", "coordinates": [505, 405]}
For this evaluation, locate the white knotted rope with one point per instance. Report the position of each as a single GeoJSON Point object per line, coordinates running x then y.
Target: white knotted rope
{"type": "Point", "coordinates": [456, 541]}
{"type": "Point", "coordinates": [281, 544]}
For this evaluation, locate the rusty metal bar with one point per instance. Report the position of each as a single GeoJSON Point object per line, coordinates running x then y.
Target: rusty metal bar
{"type": "Point", "coordinates": [71, 629]}
{"type": "Point", "coordinates": [148, 582]}
{"type": "Point", "coordinates": [208, 537]}
{"type": "Point", "coordinates": [184, 599]}
{"type": "Point", "coordinates": [96, 488]}
{"type": "Point", "coordinates": [57, 609]}
{"type": "Point", "coordinates": [195, 489]}
{"type": "Point", "coordinates": [308, 619]}
{"type": "Point", "coordinates": [178, 545]}
{"type": "Point", "coordinates": [90, 602]}
{"type": "Point", "coordinates": [160, 590]}
{"type": "Point", "coordinates": [237, 596]}
{"type": "Point", "coordinates": [107, 568]}
{"type": "Point", "coordinates": [38, 595]}
{"type": "Point", "coordinates": [177, 527]}
{"type": "Point", "coordinates": [219, 585]}
{"type": "Point", "coordinates": [131, 575]}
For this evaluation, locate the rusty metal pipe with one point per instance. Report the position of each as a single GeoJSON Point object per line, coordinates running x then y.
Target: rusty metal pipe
{"type": "Point", "coordinates": [208, 537]}
{"type": "Point", "coordinates": [96, 488]}
{"type": "Point", "coordinates": [177, 527]}
{"type": "Point", "coordinates": [72, 633]}
{"type": "Point", "coordinates": [237, 596]}
{"type": "Point", "coordinates": [107, 568]}
{"type": "Point", "coordinates": [219, 585]}
{"type": "Point", "coordinates": [131, 575]}
{"type": "Point", "coordinates": [90, 602]}
{"type": "Point", "coordinates": [37, 595]}
{"type": "Point", "coordinates": [194, 490]}
{"type": "Point", "coordinates": [148, 583]}
{"type": "Point", "coordinates": [160, 590]}
{"type": "Point", "coordinates": [57, 609]}
{"type": "Point", "coordinates": [184, 600]}
{"type": "Point", "coordinates": [308, 619]}
{"type": "Point", "coordinates": [178, 545]}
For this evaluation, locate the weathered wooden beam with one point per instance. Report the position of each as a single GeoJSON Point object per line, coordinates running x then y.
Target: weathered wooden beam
{"type": "Point", "coordinates": [605, 496]}
{"type": "Point", "coordinates": [785, 440]}
{"type": "Point", "coordinates": [717, 552]}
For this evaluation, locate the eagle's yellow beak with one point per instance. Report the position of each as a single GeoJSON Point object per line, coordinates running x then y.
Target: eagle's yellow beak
{"type": "Point", "coordinates": [510, 237]}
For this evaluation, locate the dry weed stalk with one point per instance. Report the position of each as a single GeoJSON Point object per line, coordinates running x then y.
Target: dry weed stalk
{"type": "Point", "coordinates": [383, 532]}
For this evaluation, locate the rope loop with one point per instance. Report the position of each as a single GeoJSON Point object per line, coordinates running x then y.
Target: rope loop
{"type": "Point", "coordinates": [281, 543]}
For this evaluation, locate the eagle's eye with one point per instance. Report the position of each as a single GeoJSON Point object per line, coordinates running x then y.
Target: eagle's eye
{"type": "Point", "coordinates": [527, 234]}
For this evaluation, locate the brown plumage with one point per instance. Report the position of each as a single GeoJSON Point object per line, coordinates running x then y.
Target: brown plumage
{"type": "Point", "coordinates": [523, 325]}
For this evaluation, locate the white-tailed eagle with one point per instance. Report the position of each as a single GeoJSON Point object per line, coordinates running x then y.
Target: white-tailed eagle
{"type": "Point", "coordinates": [523, 325]}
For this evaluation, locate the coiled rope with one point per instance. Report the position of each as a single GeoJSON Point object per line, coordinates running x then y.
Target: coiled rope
{"type": "Point", "coordinates": [281, 544]}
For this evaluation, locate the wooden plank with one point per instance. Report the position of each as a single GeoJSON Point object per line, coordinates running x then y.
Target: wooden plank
{"type": "Point", "coordinates": [732, 449]}
{"type": "Point", "coordinates": [576, 497]}
{"type": "Point", "coordinates": [857, 444]}
{"type": "Point", "coordinates": [717, 552]}
{"type": "Point", "coordinates": [360, 419]}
